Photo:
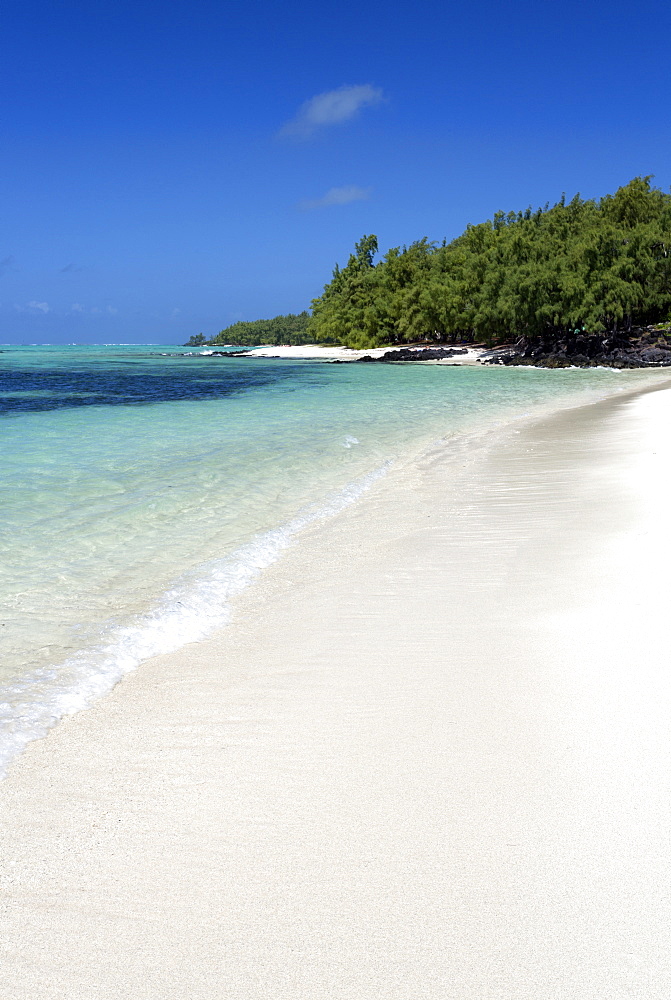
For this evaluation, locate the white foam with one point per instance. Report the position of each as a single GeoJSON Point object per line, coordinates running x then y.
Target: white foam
{"type": "Point", "coordinates": [193, 609]}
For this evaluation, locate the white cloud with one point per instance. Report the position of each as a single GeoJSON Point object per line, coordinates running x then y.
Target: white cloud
{"type": "Point", "coordinates": [42, 307]}
{"type": "Point", "coordinates": [112, 310]}
{"type": "Point", "coordinates": [77, 307]}
{"type": "Point", "coordinates": [331, 108]}
{"type": "Point", "coordinates": [337, 196]}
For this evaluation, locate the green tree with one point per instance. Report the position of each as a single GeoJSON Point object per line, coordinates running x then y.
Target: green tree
{"type": "Point", "coordinates": [577, 266]}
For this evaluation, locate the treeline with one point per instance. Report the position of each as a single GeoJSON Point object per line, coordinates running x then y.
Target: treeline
{"type": "Point", "coordinates": [290, 329]}
{"type": "Point", "coordinates": [581, 265]}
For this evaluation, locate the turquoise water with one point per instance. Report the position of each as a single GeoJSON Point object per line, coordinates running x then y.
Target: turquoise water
{"type": "Point", "coordinates": [144, 486]}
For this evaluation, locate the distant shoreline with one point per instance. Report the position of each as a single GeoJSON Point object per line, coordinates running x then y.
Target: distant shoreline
{"type": "Point", "coordinates": [323, 352]}
{"type": "Point", "coordinates": [644, 347]}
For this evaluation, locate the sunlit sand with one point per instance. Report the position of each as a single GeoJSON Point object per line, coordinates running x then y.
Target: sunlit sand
{"type": "Point", "coordinates": [429, 757]}
{"type": "Point", "coordinates": [323, 352]}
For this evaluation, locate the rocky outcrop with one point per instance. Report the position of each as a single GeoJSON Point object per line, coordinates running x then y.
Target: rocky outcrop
{"type": "Point", "coordinates": [417, 354]}
{"type": "Point", "coordinates": [645, 347]}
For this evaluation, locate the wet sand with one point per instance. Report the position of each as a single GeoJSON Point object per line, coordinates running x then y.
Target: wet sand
{"type": "Point", "coordinates": [429, 758]}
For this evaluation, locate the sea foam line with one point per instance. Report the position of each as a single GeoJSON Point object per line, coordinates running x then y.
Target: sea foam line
{"type": "Point", "coordinates": [188, 612]}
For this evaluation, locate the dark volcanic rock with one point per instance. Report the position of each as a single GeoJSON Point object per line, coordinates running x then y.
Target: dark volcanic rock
{"type": "Point", "coordinates": [645, 347]}
{"type": "Point", "coordinates": [656, 354]}
{"type": "Point", "coordinates": [418, 354]}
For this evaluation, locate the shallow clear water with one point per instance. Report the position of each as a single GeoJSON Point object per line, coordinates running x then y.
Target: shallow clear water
{"type": "Point", "coordinates": [142, 487]}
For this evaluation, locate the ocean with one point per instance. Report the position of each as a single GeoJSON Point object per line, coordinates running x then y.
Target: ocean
{"type": "Point", "coordinates": [144, 486]}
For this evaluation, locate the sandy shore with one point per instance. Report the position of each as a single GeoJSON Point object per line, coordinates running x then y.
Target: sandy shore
{"type": "Point", "coordinates": [429, 758]}
{"type": "Point", "coordinates": [323, 353]}
{"type": "Point", "coordinates": [315, 351]}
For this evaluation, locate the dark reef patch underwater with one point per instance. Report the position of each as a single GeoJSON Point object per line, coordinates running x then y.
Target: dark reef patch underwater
{"type": "Point", "coordinates": [54, 381]}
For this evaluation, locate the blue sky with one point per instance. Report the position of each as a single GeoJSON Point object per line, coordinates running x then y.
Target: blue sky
{"type": "Point", "coordinates": [170, 168]}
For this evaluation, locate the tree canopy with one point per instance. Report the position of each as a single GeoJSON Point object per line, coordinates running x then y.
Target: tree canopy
{"type": "Point", "coordinates": [289, 329]}
{"type": "Point", "coordinates": [582, 265]}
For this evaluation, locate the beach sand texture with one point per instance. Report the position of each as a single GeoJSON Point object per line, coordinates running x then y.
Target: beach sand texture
{"type": "Point", "coordinates": [429, 758]}
{"type": "Point", "coordinates": [324, 353]}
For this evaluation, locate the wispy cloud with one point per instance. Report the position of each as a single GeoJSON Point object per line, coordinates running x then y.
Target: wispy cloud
{"type": "Point", "coordinates": [6, 264]}
{"type": "Point", "coordinates": [336, 196]}
{"type": "Point", "coordinates": [331, 108]}
{"type": "Point", "coordinates": [77, 307]}
{"type": "Point", "coordinates": [33, 307]}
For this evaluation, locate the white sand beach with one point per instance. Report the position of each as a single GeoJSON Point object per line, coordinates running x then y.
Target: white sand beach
{"type": "Point", "coordinates": [429, 758]}
{"type": "Point", "coordinates": [325, 353]}
{"type": "Point", "coordinates": [314, 351]}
